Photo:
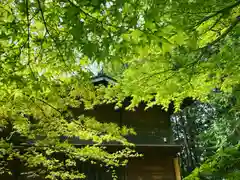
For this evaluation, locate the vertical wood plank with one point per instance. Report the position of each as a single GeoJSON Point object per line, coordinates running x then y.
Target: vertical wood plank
{"type": "Point", "coordinates": [177, 168]}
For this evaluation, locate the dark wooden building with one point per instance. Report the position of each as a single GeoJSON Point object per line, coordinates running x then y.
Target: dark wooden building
{"type": "Point", "coordinates": [154, 139]}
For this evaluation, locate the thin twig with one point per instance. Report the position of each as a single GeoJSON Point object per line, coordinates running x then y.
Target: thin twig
{"type": "Point", "coordinates": [94, 18]}
{"type": "Point", "coordinates": [33, 16]}
{"type": "Point", "coordinates": [148, 76]}
{"type": "Point", "coordinates": [48, 32]}
{"type": "Point", "coordinates": [40, 50]}
{"type": "Point", "coordinates": [49, 105]}
{"type": "Point", "coordinates": [164, 80]}
{"type": "Point", "coordinates": [44, 103]}
{"type": "Point", "coordinates": [28, 40]}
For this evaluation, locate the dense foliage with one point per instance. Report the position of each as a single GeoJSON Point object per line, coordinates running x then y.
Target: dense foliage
{"type": "Point", "coordinates": [166, 50]}
{"type": "Point", "coordinates": [42, 78]}
{"type": "Point", "coordinates": [210, 135]}
{"type": "Point", "coordinates": [185, 49]}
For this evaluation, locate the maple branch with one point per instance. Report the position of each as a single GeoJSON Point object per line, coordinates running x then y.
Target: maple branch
{"type": "Point", "coordinates": [97, 20]}
{"type": "Point", "coordinates": [205, 48]}
{"type": "Point", "coordinates": [48, 32]}
{"type": "Point", "coordinates": [84, 12]}
{"type": "Point", "coordinates": [214, 24]}
{"type": "Point", "coordinates": [222, 11]}
{"type": "Point", "coordinates": [41, 48]}
{"type": "Point", "coordinates": [37, 11]}
{"type": "Point", "coordinates": [28, 39]}
{"type": "Point", "coordinates": [165, 79]}
{"type": "Point", "coordinates": [28, 29]}
{"type": "Point", "coordinates": [40, 109]}
{"type": "Point", "coordinates": [49, 105]}
{"type": "Point", "coordinates": [148, 76]}
{"type": "Point", "coordinates": [224, 34]}
{"type": "Point", "coordinates": [41, 100]}
{"type": "Point", "coordinates": [149, 32]}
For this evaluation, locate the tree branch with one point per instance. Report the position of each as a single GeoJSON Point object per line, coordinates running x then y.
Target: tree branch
{"type": "Point", "coordinates": [41, 48]}
{"type": "Point", "coordinates": [214, 24]}
{"type": "Point", "coordinates": [222, 11]}
{"type": "Point", "coordinates": [48, 32]}
{"type": "Point", "coordinates": [49, 105]}
{"type": "Point", "coordinates": [40, 108]}
{"type": "Point", "coordinates": [28, 39]}
{"type": "Point", "coordinates": [224, 34]}
{"type": "Point", "coordinates": [95, 19]}
{"type": "Point", "coordinates": [83, 11]}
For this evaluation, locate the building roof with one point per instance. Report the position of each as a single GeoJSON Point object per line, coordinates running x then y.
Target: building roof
{"type": "Point", "coordinates": [103, 79]}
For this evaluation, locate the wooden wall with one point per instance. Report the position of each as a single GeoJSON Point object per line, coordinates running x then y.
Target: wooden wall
{"type": "Point", "coordinates": [155, 165]}
{"type": "Point", "coordinates": [151, 169]}
{"type": "Point", "coordinates": [152, 125]}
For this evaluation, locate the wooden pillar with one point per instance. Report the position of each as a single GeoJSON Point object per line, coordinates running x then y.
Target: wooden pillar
{"type": "Point", "coordinates": [177, 168]}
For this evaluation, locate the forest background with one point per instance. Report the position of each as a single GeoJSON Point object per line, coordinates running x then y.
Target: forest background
{"type": "Point", "coordinates": [162, 50]}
